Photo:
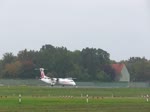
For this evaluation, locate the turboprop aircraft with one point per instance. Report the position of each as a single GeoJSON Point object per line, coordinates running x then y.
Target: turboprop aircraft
{"type": "Point", "coordinates": [54, 81]}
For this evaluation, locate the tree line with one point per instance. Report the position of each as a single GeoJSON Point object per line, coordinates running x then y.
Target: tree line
{"type": "Point", "coordinates": [89, 64]}
{"type": "Point", "coordinates": [139, 69]}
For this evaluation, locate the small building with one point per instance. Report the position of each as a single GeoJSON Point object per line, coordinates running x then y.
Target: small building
{"type": "Point", "coordinates": [121, 72]}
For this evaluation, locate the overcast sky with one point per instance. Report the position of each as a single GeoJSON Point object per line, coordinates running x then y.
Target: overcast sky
{"type": "Point", "coordinates": [120, 27]}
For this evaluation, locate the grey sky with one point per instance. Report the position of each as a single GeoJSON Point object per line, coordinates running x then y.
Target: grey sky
{"type": "Point", "coordinates": [121, 27]}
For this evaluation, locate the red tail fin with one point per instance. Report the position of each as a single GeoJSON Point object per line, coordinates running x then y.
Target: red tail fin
{"type": "Point", "coordinates": [42, 72]}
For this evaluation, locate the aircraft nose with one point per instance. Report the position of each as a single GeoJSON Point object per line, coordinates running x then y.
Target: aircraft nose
{"type": "Point", "coordinates": [74, 84]}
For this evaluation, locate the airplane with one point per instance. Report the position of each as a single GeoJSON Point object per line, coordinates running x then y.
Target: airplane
{"type": "Point", "coordinates": [58, 81]}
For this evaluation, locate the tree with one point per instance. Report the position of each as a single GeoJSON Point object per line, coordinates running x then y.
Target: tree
{"type": "Point", "coordinates": [139, 68]}
{"type": "Point", "coordinates": [12, 70]}
{"type": "Point", "coordinates": [27, 70]}
{"type": "Point", "coordinates": [8, 58]}
{"type": "Point", "coordinates": [102, 76]}
{"type": "Point", "coordinates": [93, 60]}
{"type": "Point", "coordinates": [26, 55]}
{"type": "Point", "coordinates": [109, 72]}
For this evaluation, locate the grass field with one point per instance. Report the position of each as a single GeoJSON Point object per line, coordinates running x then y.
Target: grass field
{"type": "Point", "coordinates": [47, 99]}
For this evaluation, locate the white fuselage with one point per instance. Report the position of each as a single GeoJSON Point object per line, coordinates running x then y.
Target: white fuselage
{"type": "Point", "coordinates": [65, 81]}
{"type": "Point", "coordinates": [59, 81]}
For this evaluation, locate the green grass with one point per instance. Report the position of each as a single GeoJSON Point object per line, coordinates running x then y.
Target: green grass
{"type": "Point", "coordinates": [44, 99]}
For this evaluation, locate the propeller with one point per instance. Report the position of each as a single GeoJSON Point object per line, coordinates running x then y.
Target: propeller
{"type": "Point", "coordinates": [40, 69]}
